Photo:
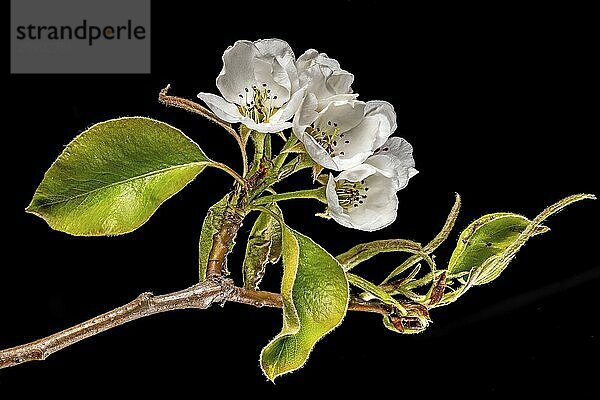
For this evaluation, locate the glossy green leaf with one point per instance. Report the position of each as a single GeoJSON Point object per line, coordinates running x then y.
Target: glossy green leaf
{"type": "Point", "coordinates": [112, 177]}
{"type": "Point", "coordinates": [315, 297]}
{"type": "Point", "coordinates": [264, 246]}
{"type": "Point", "coordinates": [211, 224]}
{"type": "Point", "coordinates": [491, 242]}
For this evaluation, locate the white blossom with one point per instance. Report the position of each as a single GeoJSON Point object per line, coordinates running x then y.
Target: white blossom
{"type": "Point", "coordinates": [364, 197]}
{"type": "Point", "coordinates": [344, 132]}
{"type": "Point", "coordinates": [322, 76]}
{"type": "Point", "coordinates": [259, 84]}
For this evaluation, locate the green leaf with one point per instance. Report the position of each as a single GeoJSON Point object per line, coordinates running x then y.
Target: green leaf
{"type": "Point", "coordinates": [112, 177]}
{"type": "Point", "coordinates": [315, 297]}
{"type": "Point", "coordinates": [486, 237]}
{"type": "Point", "coordinates": [264, 245]}
{"type": "Point", "coordinates": [212, 223]}
{"type": "Point", "coordinates": [491, 242]}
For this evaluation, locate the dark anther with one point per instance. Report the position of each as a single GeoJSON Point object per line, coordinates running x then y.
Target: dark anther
{"type": "Point", "coordinates": [328, 122]}
{"type": "Point", "coordinates": [347, 141]}
{"type": "Point", "coordinates": [274, 97]}
{"type": "Point", "coordinates": [264, 85]}
{"type": "Point", "coordinates": [335, 124]}
{"type": "Point", "coordinates": [334, 143]}
{"type": "Point", "coordinates": [386, 148]}
{"type": "Point", "coordinates": [246, 89]}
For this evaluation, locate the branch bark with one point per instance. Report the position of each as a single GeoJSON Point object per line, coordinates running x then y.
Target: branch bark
{"type": "Point", "coordinates": [200, 296]}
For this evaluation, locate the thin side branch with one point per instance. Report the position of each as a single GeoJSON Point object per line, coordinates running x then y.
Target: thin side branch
{"type": "Point", "coordinates": [200, 296]}
{"type": "Point", "coordinates": [196, 108]}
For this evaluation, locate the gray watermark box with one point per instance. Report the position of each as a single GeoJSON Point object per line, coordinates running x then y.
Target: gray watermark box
{"type": "Point", "coordinates": [79, 36]}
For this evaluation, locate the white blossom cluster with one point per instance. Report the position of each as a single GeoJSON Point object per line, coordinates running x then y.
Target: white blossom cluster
{"type": "Point", "coordinates": [266, 88]}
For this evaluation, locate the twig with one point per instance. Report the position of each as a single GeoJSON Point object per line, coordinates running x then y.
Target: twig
{"type": "Point", "coordinates": [200, 296]}
{"type": "Point", "coordinates": [196, 108]}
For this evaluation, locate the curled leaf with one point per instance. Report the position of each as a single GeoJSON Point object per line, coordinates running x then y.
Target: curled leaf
{"type": "Point", "coordinates": [210, 226]}
{"type": "Point", "coordinates": [264, 246]}
{"type": "Point", "coordinates": [315, 296]}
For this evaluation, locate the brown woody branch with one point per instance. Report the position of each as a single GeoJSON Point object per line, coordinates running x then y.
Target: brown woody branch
{"type": "Point", "coordinates": [200, 296]}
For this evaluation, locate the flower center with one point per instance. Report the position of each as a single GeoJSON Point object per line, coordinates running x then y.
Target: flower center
{"type": "Point", "coordinates": [326, 136]}
{"type": "Point", "coordinates": [259, 103]}
{"type": "Point", "coordinates": [351, 194]}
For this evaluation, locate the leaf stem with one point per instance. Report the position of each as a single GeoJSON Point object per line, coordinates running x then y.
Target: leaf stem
{"type": "Point", "coordinates": [196, 108]}
{"type": "Point", "coordinates": [230, 171]}
{"type": "Point", "coordinates": [317, 194]}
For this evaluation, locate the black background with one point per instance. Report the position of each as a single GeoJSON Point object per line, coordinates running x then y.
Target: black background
{"type": "Point", "coordinates": [500, 106]}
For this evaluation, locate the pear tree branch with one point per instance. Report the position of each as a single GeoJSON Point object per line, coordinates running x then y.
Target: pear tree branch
{"type": "Point", "coordinates": [199, 296]}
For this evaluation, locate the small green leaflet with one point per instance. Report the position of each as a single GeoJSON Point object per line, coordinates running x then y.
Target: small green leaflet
{"type": "Point", "coordinates": [485, 239]}
{"type": "Point", "coordinates": [488, 244]}
{"type": "Point", "coordinates": [112, 177]}
{"type": "Point", "coordinates": [264, 246]}
{"type": "Point", "coordinates": [315, 297]}
{"type": "Point", "coordinates": [212, 222]}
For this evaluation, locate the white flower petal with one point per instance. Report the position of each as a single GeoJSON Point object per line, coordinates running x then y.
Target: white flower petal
{"type": "Point", "coordinates": [340, 82]}
{"type": "Point", "coordinates": [396, 154]}
{"type": "Point", "coordinates": [306, 60]}
{"type": "Point", "coordinates": [305, 115]}
{"type": "Point", "coordinates": [271, 76]}
{"type": "Point", "coordinates": [317, 152]}
{"type": "Point", "coordinates": [275, 47]}
{"type": "Point", "coordinates": [382, 107]}
{"type": "Point", "coordinates": [356, 144]}
{"type": "Point", "coordinates": [238, 71]}
{"type": "Point", "coordinates": [265, 127]}
{"type": "Point", "coordinates": [322, 103]}
{"type": "Point", "coordinates": [385, 111]}
{"type": "Point", "coordinates": [323, 75]}
{"type": "Point", "coordinates": [289, 109]}
{"type": "Point", "coordinates": [284, 55]}
{"type": "Point", "coordinates": [357, 173]}
{"type": "Point", "coordinates": [346, 114]}
{"type": "Point", "coordinates": [378, 208]}
{"type": "Point", "coordinates": [221, 107]}
{"type": "Point", "coordinates": [333, 203]}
